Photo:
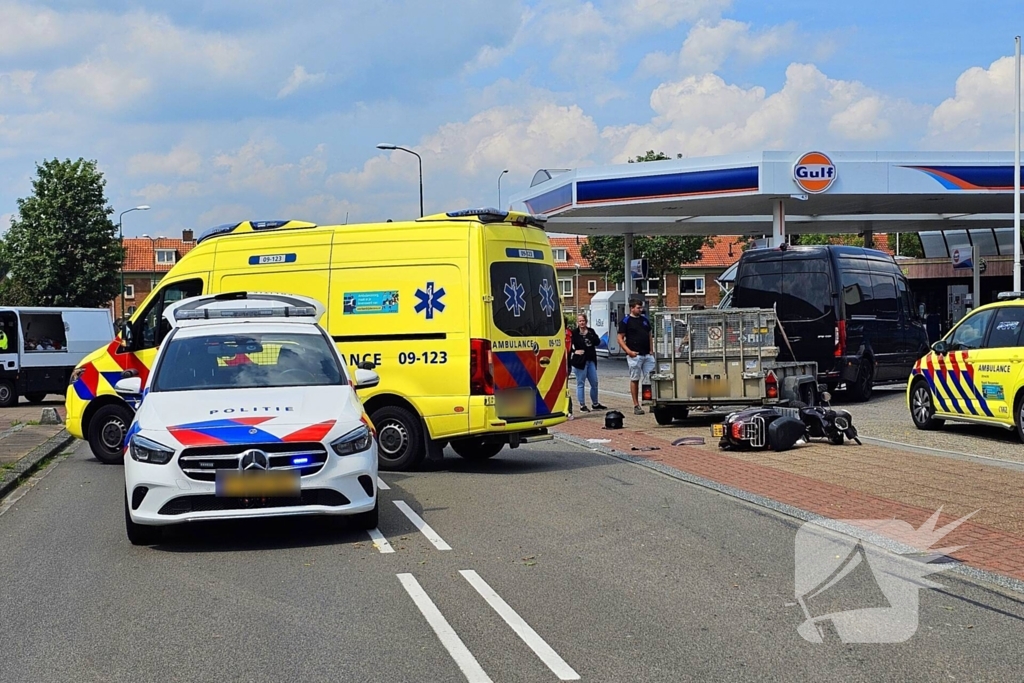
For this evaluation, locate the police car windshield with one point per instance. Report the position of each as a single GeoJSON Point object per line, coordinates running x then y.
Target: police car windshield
{"type": "Point", "coordinates": [246, 361]}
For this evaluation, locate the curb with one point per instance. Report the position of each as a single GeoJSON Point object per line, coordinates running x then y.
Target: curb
{"type": "Point", "coordinates": [10, 479]}
{"type": "Point", "coordinates": [964, 570]}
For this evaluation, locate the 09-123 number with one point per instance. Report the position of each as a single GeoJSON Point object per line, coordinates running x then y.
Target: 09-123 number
{"type": "Point", "coordinates": [425, 357]}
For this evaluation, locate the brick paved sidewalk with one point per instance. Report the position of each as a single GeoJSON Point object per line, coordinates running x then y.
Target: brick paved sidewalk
{"type": "Point", "coordinates": [20, 431]}
{"type": "Point", "coordinates": [844, 482]}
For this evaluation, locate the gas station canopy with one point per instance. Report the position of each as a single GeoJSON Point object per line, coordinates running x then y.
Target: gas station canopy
{"type": "Point", "coordinates": [954, 198]}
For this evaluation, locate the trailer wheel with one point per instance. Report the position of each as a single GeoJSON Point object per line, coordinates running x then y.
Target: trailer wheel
{"type": "Point", "coordinates": [663, 416]}
{"type": "Point", "coordinates": [8, 396]}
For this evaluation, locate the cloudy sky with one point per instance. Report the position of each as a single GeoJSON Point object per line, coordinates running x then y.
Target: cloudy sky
{"type": "Point", "coordinates": [231, 110]}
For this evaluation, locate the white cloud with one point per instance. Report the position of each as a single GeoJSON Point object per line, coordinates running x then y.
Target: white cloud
{"type": "Point", "coordinates": [16, 83]}
{"type": "Point", "coordinates": [704, 115]}
{"type": "Point", "coordinates": [247, 168]}
{"type": "Point", "coordinates": [299, 78]}
{"type": "Point", "coordinates": [643, 15]}
{"type": "Point", "coordinates": [980, 113]}
{"type": "Point", "coordinates": [180, 161]}
{"type": "Point", "coordinates": [103, 83]}
{"type": "Point", "coordinates": [709, 45]}
{"type": "Point", "coordinates": [323, 209]}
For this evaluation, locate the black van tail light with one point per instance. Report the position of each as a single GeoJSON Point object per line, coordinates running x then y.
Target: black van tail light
{"type": "Point", "coordinates": [840, 339]}
{"type": "Point", "coordinates": [481, 368]}
{"type": "Point", "coordinates": [771, 385]}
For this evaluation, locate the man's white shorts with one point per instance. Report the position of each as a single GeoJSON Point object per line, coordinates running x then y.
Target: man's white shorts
{"type": "Point", "coordinates": [640, 367]}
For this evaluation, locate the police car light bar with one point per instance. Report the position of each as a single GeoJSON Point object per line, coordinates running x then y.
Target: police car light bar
{"type": "Point", "coordinates": [214, 313]}
{"type": "Point", "coordinates": [1010, 296]}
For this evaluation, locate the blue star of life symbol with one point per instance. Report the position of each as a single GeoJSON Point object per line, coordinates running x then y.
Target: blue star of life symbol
{"type": "Point", "coordinates": [547, 297]}
{"type": "Point", "coordinates": [515, 297]}
{"type": "Point", "coordinates": [430, 300]}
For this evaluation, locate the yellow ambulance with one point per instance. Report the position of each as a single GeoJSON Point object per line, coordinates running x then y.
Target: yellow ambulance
{"type": "Point", "coordinates": [459, 313]}
{"type": "Point", "coordinates": [976, 372]}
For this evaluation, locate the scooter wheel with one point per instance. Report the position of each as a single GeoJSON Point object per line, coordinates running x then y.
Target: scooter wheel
{"type": "Point", "coordinates": [836, 439]}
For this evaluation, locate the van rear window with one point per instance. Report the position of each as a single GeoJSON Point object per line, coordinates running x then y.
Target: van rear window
{"type": "Point", "coordinates": [801, 288]}
{"type": "Point", "coordinates": [526, 299]}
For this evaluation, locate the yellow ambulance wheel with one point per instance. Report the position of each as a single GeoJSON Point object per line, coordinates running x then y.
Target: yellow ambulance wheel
{"type": "Point", "coordinates": [922, 407]}
{"type": "Point", "coordinates": [400, 445]}
{"type": "Point", "coordinates": [477, 449]}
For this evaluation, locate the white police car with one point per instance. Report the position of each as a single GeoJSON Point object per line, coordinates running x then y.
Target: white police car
{"type": "Point", "coordinates": [248, 412]}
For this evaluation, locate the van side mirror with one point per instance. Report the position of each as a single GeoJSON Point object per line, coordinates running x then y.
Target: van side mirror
{"type": "Point", "coordinates": [365, 365]}
{"type": "Point", "coordinates": [127, 339]}
{"type": "Point", "coordinates": [130, 386]}
{"type": "Point", "coordinates": [940, 347]}
{"type": "Point", "coordinates": [366, 379]}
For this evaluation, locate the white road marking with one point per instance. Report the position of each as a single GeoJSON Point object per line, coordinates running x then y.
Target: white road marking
{"type": "Point", "coordinates": [381, 485]}
{"type": "Point", "coordinates": [522, 629]}
{"type": "Point", "coordinates": [379, 542]}
{"type": "Point", "coordinates": [422, 526]}
{"type": "Point", "coordinates": [445, 633]}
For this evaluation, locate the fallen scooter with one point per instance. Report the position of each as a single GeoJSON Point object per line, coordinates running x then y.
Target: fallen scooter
{"type": "Point", "coordinates": [782, 428]}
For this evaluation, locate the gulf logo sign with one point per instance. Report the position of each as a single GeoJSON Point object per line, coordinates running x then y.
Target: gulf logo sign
{"type": "Point", "coordinates": [814, 172]}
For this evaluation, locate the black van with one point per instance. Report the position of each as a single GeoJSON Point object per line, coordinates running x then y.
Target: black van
{"type": "Point", "coordinates": [847, 308]}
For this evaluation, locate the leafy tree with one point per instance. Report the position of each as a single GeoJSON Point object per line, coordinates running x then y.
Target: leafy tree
{"type": "Point", "coordinates": [62, 247]}
{"type": "Point", "coordinates": [651, 155]}
{"type": "Point", "coordinates": [664, 253]}
{"type": "Point", "coordinates": [910, 245]}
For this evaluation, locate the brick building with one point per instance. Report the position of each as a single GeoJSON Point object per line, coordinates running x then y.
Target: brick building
{"type": "Point", "coordinates": [695, 285]}
{"type": "Point", "coordinates": [147, 260]}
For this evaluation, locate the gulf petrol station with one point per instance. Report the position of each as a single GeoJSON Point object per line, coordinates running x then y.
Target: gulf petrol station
{"type": "Point", "coordinates": [958, 202]}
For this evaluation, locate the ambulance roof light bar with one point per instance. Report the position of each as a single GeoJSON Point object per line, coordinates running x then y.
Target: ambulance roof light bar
{"type": "Point", "coordinates": [1010, 296]}
{"type": "Point", "coordinates": [492, 215]}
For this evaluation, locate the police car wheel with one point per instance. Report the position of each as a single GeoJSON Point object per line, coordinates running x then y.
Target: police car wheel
{"type": "Point", "coordinates": [399, 438]}
{"type": "Point", "coordinates": [139, 534]}
{"type": "Point", "coordinates": [368, 520]}
{"type": "Point", "coordinates": [8, 396]}
{"type": "Point", "coordinates": [107, 431]}
{"type": "Point", "coordinates": [477, 449]}
{"type": "Point", "coordinates": [922, 409]}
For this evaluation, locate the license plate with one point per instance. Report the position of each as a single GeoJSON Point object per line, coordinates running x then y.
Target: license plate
{"type": "Point", "coordinates": [258, 484]}
{"type": "Point", "coordinates": [516, 403]}
{"type": "Point", "coordinates": [718, 430]}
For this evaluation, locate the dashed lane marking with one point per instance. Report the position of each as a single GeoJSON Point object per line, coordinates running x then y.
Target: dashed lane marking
{"type": "Point", "coordinates": [445, 633]}
{"type": "Point", "coordinates": [381, 485]}
{"type": "Point", "coordinates": [379, 542]}
{"type": "Point", "coordinates": [424, 528]}
{"type": "Point", "coordinates": [540, 648]}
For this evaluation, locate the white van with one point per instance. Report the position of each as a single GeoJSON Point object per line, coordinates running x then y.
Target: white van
{"type": "Point", "coordinates": [39, 347]}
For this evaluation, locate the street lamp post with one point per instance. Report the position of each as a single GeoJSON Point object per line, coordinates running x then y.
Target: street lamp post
{"type": "Point", "coordinates": [499, 187]}
{"type": "Point", "coordinates": [120, 236]}
{"type": "Point", "coordinates": [576, 289]}
{"type": "Point", "coordinates": [387, 145]}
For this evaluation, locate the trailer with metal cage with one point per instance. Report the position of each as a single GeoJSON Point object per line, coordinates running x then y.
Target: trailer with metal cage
{"type": "Point", "coordinates": [723, 358]}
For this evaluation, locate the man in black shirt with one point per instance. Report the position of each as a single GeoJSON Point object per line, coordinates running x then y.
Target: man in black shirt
{"type": "Point", "coordinates": [637, 340]}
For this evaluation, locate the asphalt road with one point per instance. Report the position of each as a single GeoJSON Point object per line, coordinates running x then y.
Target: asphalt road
{"type": "Point", "coordinates": [618, 573]}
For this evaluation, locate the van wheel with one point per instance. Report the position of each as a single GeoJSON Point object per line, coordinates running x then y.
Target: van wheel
{"type": "Point", "coordinates": [8, 396]}
{"type": "Point", "coordinates": [35, 398]}
{"type": "Point", "coordinates": [107, 431]}
{"type": "Point", "coordinates": [140, 534]}
{"type": "Point", "coordinates": [399, 438]}
{"type": "Point", "coordinates": [477, 449]}
{"type": "Point", "coordinates": [663, 416]}
{"type": "Point", "coordinates": [860, 389]}
{"type": "Point", "coordinates": [922, 409]}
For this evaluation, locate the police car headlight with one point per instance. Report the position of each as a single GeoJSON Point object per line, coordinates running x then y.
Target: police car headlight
{"type": "Point", "coordinates": [146, 450]}
{"type": "Point", "coordinates": [76, 374]}
{"type": "Point", "coordinates": [357, 440]}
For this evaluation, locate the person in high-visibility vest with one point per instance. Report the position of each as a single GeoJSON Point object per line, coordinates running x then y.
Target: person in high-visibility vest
{"type": "Point", "coordinates": [3, 340]}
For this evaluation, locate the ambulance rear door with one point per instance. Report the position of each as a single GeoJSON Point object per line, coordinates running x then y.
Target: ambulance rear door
{"type": "Point", "coordinates": [527, 333]}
